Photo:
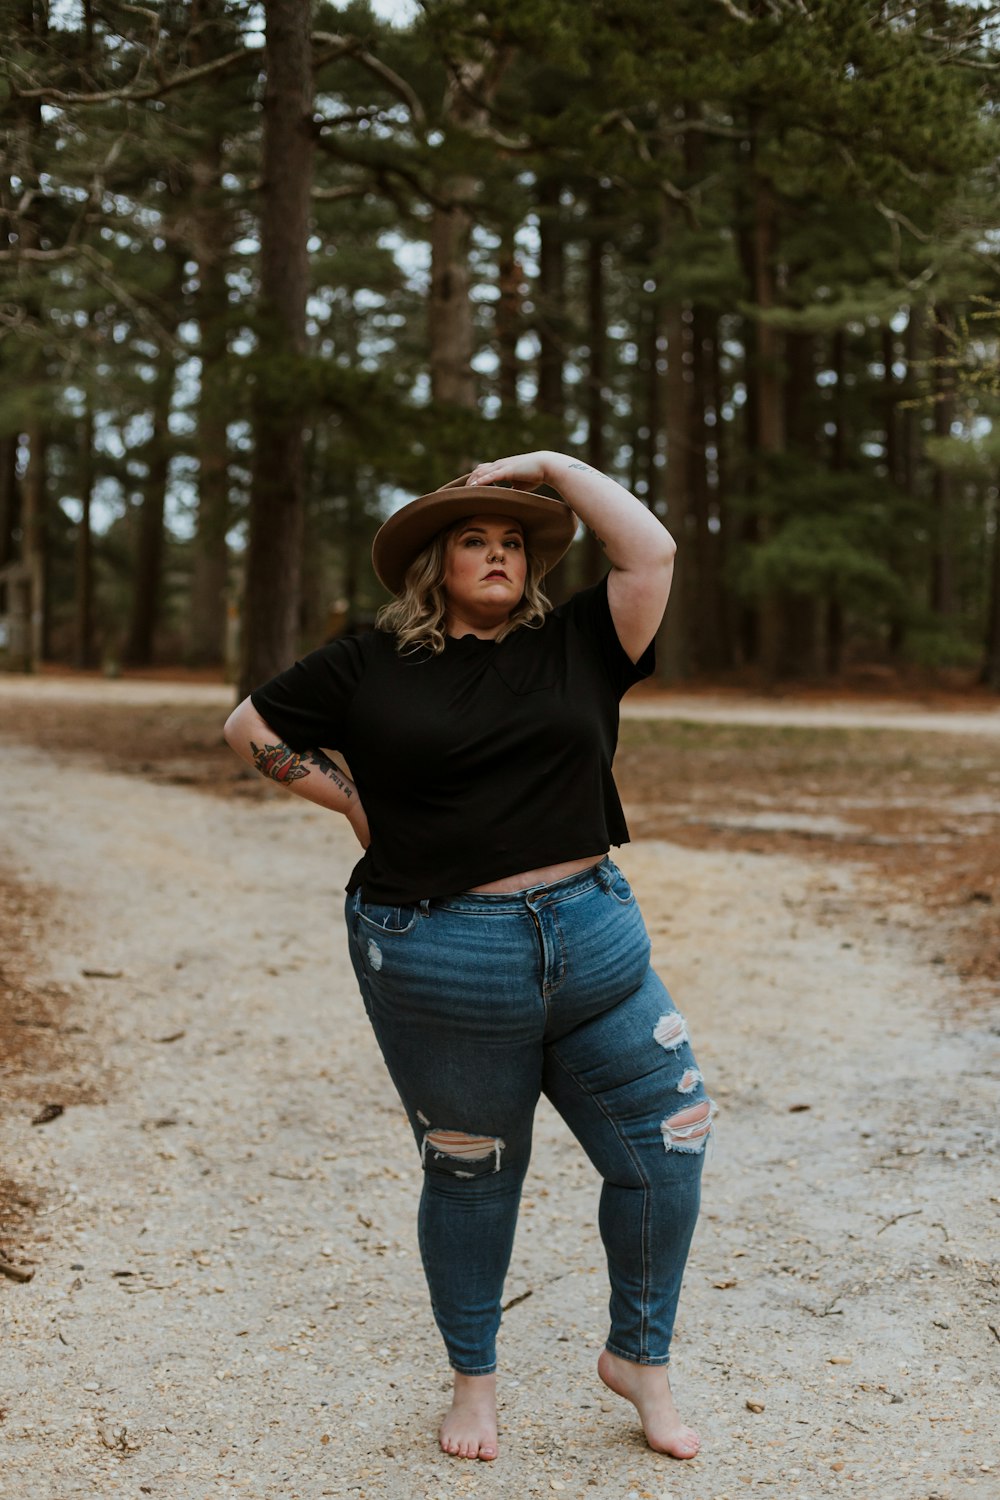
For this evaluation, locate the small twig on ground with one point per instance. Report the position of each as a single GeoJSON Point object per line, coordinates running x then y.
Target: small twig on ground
{"type": "Point", "coordinates": [14, 1273]}
{"type": "Point", "coordinates": [995, 1331]}
{"type": "Point", "coordinates": [910, 1212]}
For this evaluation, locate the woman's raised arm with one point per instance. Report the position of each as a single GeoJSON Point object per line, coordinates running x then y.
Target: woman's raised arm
{"type": "Point", "coordinates": [639, 547]}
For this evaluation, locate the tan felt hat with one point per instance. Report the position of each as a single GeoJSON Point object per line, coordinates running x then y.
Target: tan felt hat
{"type": "Point", "coordinates": [549, 525]}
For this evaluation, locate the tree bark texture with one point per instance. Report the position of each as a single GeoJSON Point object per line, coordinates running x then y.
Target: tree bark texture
{"type": "Point", "coordinates": [767, 375]}
{"type": "Point", "coordinates": [273, 578]}
{"type": "Point", "coordinates": [550, 328]}
{"type": "Point", "coordinates": [450, 314]}
{"type": "Point", "coordinates": [147, 572]}
{"type": "Point", "coordinates": [509, 322]}
{"type": "Point", "coordinates": [10, 498]}
{"type": "Point", "coordinates": [30, 27]}
{"type": "Point", "coordinates": [35, 540]}
{"type": "Point", "coordinates": [942, 579]}
{"type": "Point", "coordinates": [83, 633]}
{"type": "Point", "coordinates": [550, 305]}
{"type": "Point", "coordinates": [597, 338]}
{"type": "Point", "coordinates": [991, 664]}
{"type": "Point", "coordinates": [211, 234]}
{"type": "Point", "coordinates": [674, 644]}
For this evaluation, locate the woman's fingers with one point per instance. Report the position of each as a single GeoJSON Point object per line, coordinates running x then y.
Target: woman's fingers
{"type": "Point", "coordinates": [520, 468]}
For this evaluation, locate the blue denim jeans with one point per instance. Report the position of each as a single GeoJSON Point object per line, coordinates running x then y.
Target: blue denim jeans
{"type": "Point", "coordinates": [478, 1003]}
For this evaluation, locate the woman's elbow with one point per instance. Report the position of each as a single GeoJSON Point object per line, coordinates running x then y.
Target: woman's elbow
{"type": "Point", "coordinates": [667, 549]}
{"type": "Point", "coordinates": [235, 727]}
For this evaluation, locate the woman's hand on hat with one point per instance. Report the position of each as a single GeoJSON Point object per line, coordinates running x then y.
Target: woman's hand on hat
{"type": "Point", "coordinates": [523, 470]}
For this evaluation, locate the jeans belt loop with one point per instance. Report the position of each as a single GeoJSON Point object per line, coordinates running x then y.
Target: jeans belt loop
{"type": "Point", "coordinates": [425, 906]}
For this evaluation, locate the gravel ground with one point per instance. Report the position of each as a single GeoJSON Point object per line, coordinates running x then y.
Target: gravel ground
{"type": "Point", "coordinates": [228, 1298]}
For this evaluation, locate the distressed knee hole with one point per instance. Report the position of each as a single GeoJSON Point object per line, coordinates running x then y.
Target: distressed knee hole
{"type": "Point", "coordinates": [690, 1081]}
{"type": "Point", "coordinates": [671, 1031]}
{"type": "Point", "coordinates": [688, 1130]}
{"type": "Point", "coordinates": [460, 1146]}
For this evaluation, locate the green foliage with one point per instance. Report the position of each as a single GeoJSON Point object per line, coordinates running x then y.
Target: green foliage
{"type": "Point", "coordinates": [872, 135]}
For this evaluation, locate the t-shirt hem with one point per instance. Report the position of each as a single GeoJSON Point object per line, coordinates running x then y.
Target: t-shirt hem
{"type": "Point", "coordinates": [526, 860]}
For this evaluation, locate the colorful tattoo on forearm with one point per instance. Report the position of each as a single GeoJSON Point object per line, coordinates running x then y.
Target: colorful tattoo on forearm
{"type": "Point", "coordinates": [283, 764]}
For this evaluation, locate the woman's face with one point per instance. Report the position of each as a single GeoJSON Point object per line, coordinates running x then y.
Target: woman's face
{"type": "Point", "coordinates": [485, 570]}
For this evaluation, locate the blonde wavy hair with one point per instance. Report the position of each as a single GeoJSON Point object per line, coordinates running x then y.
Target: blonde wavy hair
{"type": "Point", "coordinates": [417, 614]}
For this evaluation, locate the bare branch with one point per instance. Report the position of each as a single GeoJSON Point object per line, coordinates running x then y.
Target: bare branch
{"type": "Point", "coordinates": [668, 188]}
{"type": "Point", "coordinates": [374, 65]}
{"type": "Point", "coordinates": [166, 86]}
{"type": "Point", "coordinates": [383, 170]}
{"type": "Point", "coordinates": [737, 14]}
{"type": "Point", "coordinates": [101, 268]}
{"type": "Point", "coordinates": [65, 252]}
{"type": "Point", "coordinates": [331, 195]}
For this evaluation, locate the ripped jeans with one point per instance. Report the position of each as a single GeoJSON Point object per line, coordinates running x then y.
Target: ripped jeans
{"type": "Point", "coordinates": [478, 1003]}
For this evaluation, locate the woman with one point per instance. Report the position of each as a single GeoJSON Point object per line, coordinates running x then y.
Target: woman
{"type": "Point", "coordinates": [498, 950]}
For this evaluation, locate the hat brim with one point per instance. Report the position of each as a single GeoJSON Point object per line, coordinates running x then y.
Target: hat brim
{"type": "Point", "coordinates": [548, 524]}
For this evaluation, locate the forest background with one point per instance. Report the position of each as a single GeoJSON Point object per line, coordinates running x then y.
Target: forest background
{"type": "Point", "coordinates": [269, 270]}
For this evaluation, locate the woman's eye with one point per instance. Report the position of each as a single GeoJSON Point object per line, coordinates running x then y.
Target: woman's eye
{"type": "Point", "coordinates": [514, 542]}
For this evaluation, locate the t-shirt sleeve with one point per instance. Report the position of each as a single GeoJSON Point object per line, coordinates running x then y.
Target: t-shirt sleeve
{"type": "Point", "coordinates": [590, 613]}
{"type": "Point", "coordinates": [308, 704]}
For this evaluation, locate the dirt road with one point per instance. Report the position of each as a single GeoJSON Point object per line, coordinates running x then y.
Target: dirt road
{"type": "Point", "coordinates": [228, 1298]}
{"type": "Point", "coordinates": [704, 708]}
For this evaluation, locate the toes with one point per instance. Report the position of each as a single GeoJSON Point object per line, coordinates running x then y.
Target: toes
{"type": "Point", "coordinates": [686, 1444]}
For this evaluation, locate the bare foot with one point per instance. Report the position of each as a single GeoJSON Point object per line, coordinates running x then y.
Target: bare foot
{"type": "Point", "coordinates": [648, 1389]}
{"type": "Point", "coordinates": [470, 1428]}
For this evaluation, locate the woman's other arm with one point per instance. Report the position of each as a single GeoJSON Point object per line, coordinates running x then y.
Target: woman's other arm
{"type": "Point", "coordinates": [307, 773]}
{"type": "Point", "coordinates": [639, 547]}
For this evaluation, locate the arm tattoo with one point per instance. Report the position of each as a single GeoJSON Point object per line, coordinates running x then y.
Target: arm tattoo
{"type": "Point", "coordinates": [283, 764]}
{"type": "Point", "coordinates": [581, 466]}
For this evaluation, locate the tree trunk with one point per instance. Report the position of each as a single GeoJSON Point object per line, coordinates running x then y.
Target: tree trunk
{"type": "Point", "coordinates": [509, 322]}
{"type": "Point", "coordinates": [802, 653]}
{"type": "Point", "coordinates": [550, 301]}
{"type": "Point", "coordinates": [704, 613]}
{"type": "Point", "coordinates": [890, 421]}
{"type": "Point", "coordinates": [273, 579]}
{"type": "Point", "coordinates": [770, 407]}
{"type": "Point", "coordinates": [833, 633]}
{"type": "Point", "coordinates": [31, 27]}
{"type": "Point", "coordinates": [942, 580]}
{"type": "Point", "coordinates": [911, 417]}
{"type": "Point", "coordinates": [10, 498]}
{"type": "Point", "coordinates": [991, 665]}
{"type": "Point", "coordinates": [35, 540]}
{"type": "Point", "coordinates": [450, 314]}
{"type": "Point", "coordinates": [651, 398]}
{"type": "Point", "coordinates": [211, 232]}
{"type": "Point", "coordinates": [147, 573]}
{"type": "Point", "coordinates": [895, 472]}
{"type": "Point", "coordinates": [721, 540]}
{"type": "Point", "coordinates": [83, 634]}
{"type": "Point", "coordinates": [673, 643]}
{"type": "Point", "coordinates": [452, 334]}
{"type": "Point", "coordinates": [550, 326]}
{"type": "Point", "coordinates": [593, 552]}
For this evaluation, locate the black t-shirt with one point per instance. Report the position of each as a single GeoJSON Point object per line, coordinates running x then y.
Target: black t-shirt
{"type": "Point", "coordinates": [481, 762]}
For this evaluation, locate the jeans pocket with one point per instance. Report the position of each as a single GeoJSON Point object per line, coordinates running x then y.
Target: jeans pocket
{"type": "Point", "coordinates": [619, 887]}
{"type": "Point", "coordinates": [395, 920]}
